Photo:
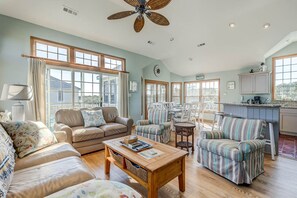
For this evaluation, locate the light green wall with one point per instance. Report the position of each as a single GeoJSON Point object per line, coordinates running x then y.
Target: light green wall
{"type": "Point", "coordinates": [15, 40]}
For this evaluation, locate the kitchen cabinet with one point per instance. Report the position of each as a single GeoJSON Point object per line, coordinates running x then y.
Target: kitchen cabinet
{"type": "Point", "coordinates": [288, 121]}
{"type": "Point", "coordinates": [254, 83]}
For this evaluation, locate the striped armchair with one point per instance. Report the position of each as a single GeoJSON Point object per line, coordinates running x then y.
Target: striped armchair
{"type": "Point", "coordinates": [236, 152]}
{"type": "Point", "coordinates": [156, 127]}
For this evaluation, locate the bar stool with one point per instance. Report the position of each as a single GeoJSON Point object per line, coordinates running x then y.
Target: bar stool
{"type": "Point", "coordinates": [218, 117]}
{"type": "Point", "coordinates": [271, 142]}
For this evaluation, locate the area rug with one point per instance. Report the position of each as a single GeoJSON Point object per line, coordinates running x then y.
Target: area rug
{"type": "Point", "coordinates": [288, 146]}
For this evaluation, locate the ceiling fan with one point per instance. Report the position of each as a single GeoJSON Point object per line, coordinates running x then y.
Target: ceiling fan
{"type": "Point", "coordinates": [143, 7]}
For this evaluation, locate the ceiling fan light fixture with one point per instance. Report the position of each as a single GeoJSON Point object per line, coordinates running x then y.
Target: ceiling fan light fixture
{"type": "Point", "coordinates": [266, 26]}
{"type": "Point", "coordinates": [232, 25]}
{"type": "Point", "coordinates": [171, 39]}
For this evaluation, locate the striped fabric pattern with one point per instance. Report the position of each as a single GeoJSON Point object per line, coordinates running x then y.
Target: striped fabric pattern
{"type": "Point", "coordinates": [154, 132]}
{"type": "Point", "coordinates": [211, 135]}
{"type": "Point", "coordinates": [242, 129]}
{"type": "Point", "coordinates": [156, 116]}
{"type": "Point", "coordinates": [248, 146]}
{"type": "Point", "coordinates": [142, 122]}
{"type": "Point", "coordinates": [226, 148]}
{"type": "Point", "coordinates": [237, 153]}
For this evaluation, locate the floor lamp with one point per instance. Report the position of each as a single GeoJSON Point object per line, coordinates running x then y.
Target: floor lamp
{"type": "Point", "coordinates": [19, 93]}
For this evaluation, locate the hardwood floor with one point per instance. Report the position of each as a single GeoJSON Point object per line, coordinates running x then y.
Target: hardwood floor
{"type": "Point", "coordinates": [278, 180]}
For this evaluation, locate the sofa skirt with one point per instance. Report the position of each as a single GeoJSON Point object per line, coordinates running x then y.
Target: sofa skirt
{"type": "Point", "coordinates": [238, 172]}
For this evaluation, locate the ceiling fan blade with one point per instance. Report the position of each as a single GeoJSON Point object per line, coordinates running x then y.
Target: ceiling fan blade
{"type": "Point", "coordinates": [133, 3]}
{"type": "Point", "coordinates": [139, 23]}
{"type": "Point", "coordinates": [157, 4]}
{"type": "Point", "coordinates": [120, 15]}
{"type": "Point", "coordinates": [158, 18]}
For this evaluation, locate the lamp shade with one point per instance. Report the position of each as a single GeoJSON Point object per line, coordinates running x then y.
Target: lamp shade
{"type": "Point", "coordinates": [16, 92]}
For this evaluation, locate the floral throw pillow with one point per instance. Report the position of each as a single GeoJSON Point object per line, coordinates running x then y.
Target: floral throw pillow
{"type": "Point", "coordinates": [93, 118]}
{"type": "Point", "coordinates": [29, 136]}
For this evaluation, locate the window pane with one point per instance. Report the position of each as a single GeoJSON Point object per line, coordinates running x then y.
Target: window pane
{"type": "Point", "coordinates": [56, 73]}
{"type": "Point", "coordinates": [41, 46]}
{"type": "Point", "coordinates": [287, 61]}
{"type": "Point", "coordinates": [79, 55]}
{"type": "Point", "coordinates": [279, 62]}
{"type": "Point", "coordinates": [96, 78]}
{"type": "Point", "coordinates": [278, 69]}
{"type": "Point", "coordinates": [96, 87]}
{"type": "Point", "coordinates": [87, 77]}
{"type": "Point", "coordinates": [87, 87]}
{"type": "Point", "coordinates": [87, 62]}
{"type": "Point", "coordinates": [287, 75]}
{"type": "Point", "coordinates": [95, 63]}
{"type": "Point", "coordinates": [52, 56]}
{"type": "Point", "coordinates": [66, 75]}
{"type": "Point", "coordinates": [87, 56]}
{"type": "Point", "coordinates": [287, 68]}
{"type": "Point", "coordinates": [77, 76]}
{"type": "Point", "coordinates": [294, 60]}
{"type": "Point", "coordinates": [62, 58]}
{"type": "Point", "coordinates": [294, 74]}
{"type": "Point", "coordinates": [41, 54]}
{"type": "Point", "coordinates": [79, 61]}
{"type": "Point", "coordinates": [53, 49]}
{"type": "Point", "coordinates": [294, 67]}
{"type": "Point", "coordinates": [63, 51]}
{"type": "Point", "coordinates": [94, 58]}
{"type": "Point", "coordinates": [279, 76]}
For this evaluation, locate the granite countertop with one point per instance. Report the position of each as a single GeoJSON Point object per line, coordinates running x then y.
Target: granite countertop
{"type": "Point", "coordinates": [251, 105]}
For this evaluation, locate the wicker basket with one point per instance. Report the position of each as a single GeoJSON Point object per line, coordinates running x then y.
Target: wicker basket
{"type": "Point", "coordinates": [136, 170]}
{"type": "Point", "coordinates": [117, 157]}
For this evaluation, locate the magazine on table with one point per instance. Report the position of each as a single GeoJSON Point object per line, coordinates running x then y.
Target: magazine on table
{"type": "Point", "coordinates": [150, 153]}
{"type": "Point", "coordinates": [137, 146]}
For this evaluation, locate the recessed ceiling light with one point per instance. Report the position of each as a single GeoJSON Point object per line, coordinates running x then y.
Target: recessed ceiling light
{"type": "Point", "coordinates": [150, 42]}
{"type": "Point", "coordinates": [190, 59]}
{"type": "Point", "coordinates": [232, 25]}
{"type": "Point", "coordinates": [266, 26]}
{"type": "Point", "coordinates": [287, 41]}
{"type": "Point", "coordinates": [172, 39]}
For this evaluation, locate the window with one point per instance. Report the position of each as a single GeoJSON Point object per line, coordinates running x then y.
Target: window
{"type": "Point", "coordinates": [52, 52]}
{"type": "Point", "coordinates": [69, 88]}
{"type": "Point", "coordinates": [203, 91]}
{"type": "Point", "coordinates": [176, 92]}
{"type": "Point", "coordinates": [86, 59]}
{"type": "Point", "coordinates": [285, 78]}
{"type": "Point", "coordinates": [112, 63]}
{"type": "Point", "coordinates": [64, 55]}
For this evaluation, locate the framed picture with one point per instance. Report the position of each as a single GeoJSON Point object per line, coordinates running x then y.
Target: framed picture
{"type": "Point", "coordinates": [231, 85]}
{"type": "Point", "coordinates": [133, 86]}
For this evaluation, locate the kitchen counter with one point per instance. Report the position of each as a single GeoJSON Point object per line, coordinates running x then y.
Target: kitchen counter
{"type": "Point", "coordinates": [266, 112]}
{"type": "Point", "coordinates": [252, 105]}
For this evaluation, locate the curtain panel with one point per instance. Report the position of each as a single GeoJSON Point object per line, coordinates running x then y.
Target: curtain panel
{"type": "Point", "coordinates": [123, 94]}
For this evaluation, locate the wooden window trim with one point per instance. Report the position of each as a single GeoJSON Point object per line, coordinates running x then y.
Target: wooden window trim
{"type": "Point", "coordinates": [180, 91]}
{"type": "Point", "coordinates": [200, 90]}
{"type": "Point", "coordinates": [71, 57]}
{"type": "Point", "coordinates": [273, 74]}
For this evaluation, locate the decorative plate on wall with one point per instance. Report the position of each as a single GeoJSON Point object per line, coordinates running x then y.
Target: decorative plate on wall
{"type": "Point", "coordinates": [157, 70]}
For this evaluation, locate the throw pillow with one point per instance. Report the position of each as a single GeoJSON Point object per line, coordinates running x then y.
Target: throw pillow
{"type": "Point", "coordinates": [29, 136]}
{"type": "Point", "coordinates": [93, 118]}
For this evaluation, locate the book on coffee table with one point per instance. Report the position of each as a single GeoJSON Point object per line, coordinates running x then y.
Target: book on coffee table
{"type": "Point", "coordinates": [137, 146]}
{"type": "Point", "coordinates": [150, 153]}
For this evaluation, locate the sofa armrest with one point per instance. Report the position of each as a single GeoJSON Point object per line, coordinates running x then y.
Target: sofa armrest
{"type": "Point", "coordinates": [125, 121]}
{"type": "Point", "coordinates": [165, 125]}
{"type": "Point", "coordinates": [66, 128]}
{"type": "Point", "coordinates": [211, 135]}
{"type": "Point", "coordinates": [142, 122]}
{"type": "Point", "coordinates": [248, 146]}
{"type": "Point", "coordinates": [61, 136]}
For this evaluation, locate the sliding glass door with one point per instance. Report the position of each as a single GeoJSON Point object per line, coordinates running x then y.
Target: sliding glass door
{"type": "Point", "coordinates": [68, 88]}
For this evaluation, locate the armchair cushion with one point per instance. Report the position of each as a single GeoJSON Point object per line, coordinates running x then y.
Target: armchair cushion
{"type": "Point", "coordinates": [149, 129]}
{"type": "Point", "coordinates": [165, 125]}
{"type": "Point", "coordinates": [223, 147]}
{"type": "Point", "coordinates": [249, 146]}
{"type": "Point", "coordinates": [211, 135]}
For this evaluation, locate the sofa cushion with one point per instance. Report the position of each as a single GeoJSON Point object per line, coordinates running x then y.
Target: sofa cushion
{"type": "Point", "coordinates": [69, 117]}
{"type": "Point", "coordinates": [110, 114]}
{"type": "Point", "coordinates": [93, 118]}
{"type": "Point", "coordinates": [7, 161]}
{"type": "Point", "coordinates": [223, 147]}
{"type": "Point", "coordinates": [82, 134]}
{"type": "Point", "coordinates": [48, 178]}
{"type": "Point", "coordinates": [48, 154]}
{"type": "Point", "coordinates": [29, 136]}
{"type": "Point", "coordinates": [113, 129]}
{"type": "Point", "coordinates": [97, 188]}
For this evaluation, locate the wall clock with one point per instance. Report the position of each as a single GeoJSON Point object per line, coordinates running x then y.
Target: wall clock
{"type": "Point", "coordinates": [157, 70]}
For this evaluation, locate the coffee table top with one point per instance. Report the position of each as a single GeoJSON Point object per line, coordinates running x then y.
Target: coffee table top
{"type": "Point", "coordinates": [169, 155]}
{"type": "Point", "coordinates": [184, 124]}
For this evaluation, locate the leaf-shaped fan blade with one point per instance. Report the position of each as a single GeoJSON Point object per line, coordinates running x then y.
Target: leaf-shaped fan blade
{"type": "Point", "coordinates": [139, 23]}
{"type": "Point", "coordinates": [157, 4]}
{"type": "Point", "coordinates": [158, 18]}
{"type": "Point", "coordinates": [133, 3]}
{"type": "Point", "coordinates": [120, 15]}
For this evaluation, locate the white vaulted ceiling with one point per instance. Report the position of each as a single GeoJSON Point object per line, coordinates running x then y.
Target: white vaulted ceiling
{"type": "Point", "coordinates": [192, 22]}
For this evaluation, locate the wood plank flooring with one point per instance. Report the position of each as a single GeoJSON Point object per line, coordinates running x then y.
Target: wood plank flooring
{"type": "Point", "coordinates": [278, 180]}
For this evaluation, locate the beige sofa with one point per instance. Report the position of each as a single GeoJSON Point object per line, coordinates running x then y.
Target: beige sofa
{"type": "Point", "coordinates": [48, 170]}
{"type": "Point", "coordinates": [86, 140]}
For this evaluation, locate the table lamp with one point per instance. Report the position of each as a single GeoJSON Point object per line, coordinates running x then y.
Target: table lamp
{"type": "Point", "coordinates": [20, 93]}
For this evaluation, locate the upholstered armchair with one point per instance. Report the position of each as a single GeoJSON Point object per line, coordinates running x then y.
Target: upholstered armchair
{"type": "Point", "coordinates": [156, 127]}
{"type": "Point", "coordinates": [236, 152]}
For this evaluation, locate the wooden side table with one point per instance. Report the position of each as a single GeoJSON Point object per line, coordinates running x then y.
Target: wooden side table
{"type": "Point", "coordinates": [184, 129]}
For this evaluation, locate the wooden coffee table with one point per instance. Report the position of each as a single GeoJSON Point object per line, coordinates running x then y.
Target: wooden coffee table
{"type": "Point", "coordinates": [159, 170]}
